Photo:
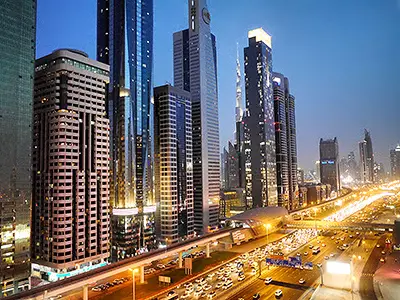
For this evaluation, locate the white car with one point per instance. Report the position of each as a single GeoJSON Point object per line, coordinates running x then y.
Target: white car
{"type": "Point", "coordinates": [211, 295]}
{"type": "Point", "coordinates": [219, 285]}
{"type": "Point", "coordinates": [185, 295]}
{"type": "Point", "coordinates": [278, 293]}
{"type": "Point", "coordinates": [160, 266]}
{"type": "Point", "coordinates": [207, 287]}
{"type": "Point", "coordinates": [301, 281]}
{"type": "Point", "coordinates": [96, 289]}
{"type": "Point", "coordinates": [268, 280]}
{"type": "Point", "coordinates": [197, 293]}
{"type": "Point", "coordinates": [241, 278]}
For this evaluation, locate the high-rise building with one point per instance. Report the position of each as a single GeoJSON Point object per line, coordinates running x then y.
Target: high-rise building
{"type": "Point", "coordinates": [285, 141]}
{"type": "Point", "coordinates": [232, 168]}
{"type": "Point", "coordinates": [329, 163]}
{"type": "Point", "coordinates": [173, 164]}
{"type": "Point", "coordinates": [395, 163]}
{"type": "Point", "coordinates": [352, 165]}
{"type": "Point", "coordinates": [17, 55]}
{"type": "Point", "coordinates": [366, 159]}
{"type": "Point", "coordinates": [125, 42]}
{"type": "Point", "coordinates": [317, 171]}
{"type": "Point", "coordinates": [70, 164]}
{"type": "Point", "coordinates": [239, 134]}
{"type": "Point", "coordinates": [259, 148]}
{"type": "Point", "coordinates": [195, 70]}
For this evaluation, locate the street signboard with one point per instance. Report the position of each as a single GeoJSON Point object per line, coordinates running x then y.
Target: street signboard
{"type": "Point", "coordinates": [164, 279]}
{"type": "Point", "coordinates": [291, 262]}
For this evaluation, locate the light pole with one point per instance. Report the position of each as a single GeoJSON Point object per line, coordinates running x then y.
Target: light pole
{"type": "Point", "coordinates": [133, 283]}
{"type": "Point", "coordinates": [267, 226]}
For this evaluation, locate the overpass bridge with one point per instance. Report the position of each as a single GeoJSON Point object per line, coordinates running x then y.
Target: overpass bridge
{"type": "Point", "coordinates": [82, 281]}
{"type": "Point", "coordinates": [340, 225]}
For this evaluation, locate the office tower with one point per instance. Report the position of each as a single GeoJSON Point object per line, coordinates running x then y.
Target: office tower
{"type": "Point", "coordinates": [239, 134]}
{"type": "Point", "coordinates": [232, 167]}
{"type": "Point", "coordinates": [259, 148]}
{"type": "Point", "coordinates": [173, 164]}
{"type": "Point", "coordinates": [352, 165]}
{"type": "Point", "coordinates": [395, 163]}
{"type": "Point", "coordinates": [366, 159]}
{"type": "Point", "coordinates": [317, 171]}
{"type": "Point", "coordinates": [285, 141]}
{"type": "Point", "coordinates": [70, 166]}
{"type": "Point", "coordinates": [195, 70]}
{"type": "Point", "coordinates": [329, 164]}
{"type": "Point", "coordinates": [17, 54]}
{"type": "Point", "coordinates": [223, 169]}
{"type": "Point", "coordinates": [125, 42]}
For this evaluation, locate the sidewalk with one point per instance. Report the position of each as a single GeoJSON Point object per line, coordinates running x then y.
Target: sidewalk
{"type": "Point", "coordinates": [387, 278]}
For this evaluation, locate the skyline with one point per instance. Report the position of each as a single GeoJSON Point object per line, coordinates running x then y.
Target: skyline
{"type": "Point", "coordinates": [295, 51]}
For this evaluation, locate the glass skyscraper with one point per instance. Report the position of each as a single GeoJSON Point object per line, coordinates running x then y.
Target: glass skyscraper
{"type": "Point", "coordinates": [17, 55]}
{"type": "Point", "coordinates": [195, 70]}
{"type": "Point", "coordinates": [366, 159]}
{"type": "Point", "coordinates": [259, 148]}
{"type": "Point", "coordinates": [329, 163]}
{"type": "Point", "coordinates": [125, 42]}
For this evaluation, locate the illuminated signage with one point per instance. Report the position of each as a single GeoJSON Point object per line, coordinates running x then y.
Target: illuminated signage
{"type": "Point", "coordinates": [334, 267]}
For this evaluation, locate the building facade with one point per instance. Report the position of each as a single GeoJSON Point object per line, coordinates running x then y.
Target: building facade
{"type": "Point", "coordinates": [366, 159]}
{"type": "Point", "coordinates": [195, 70]}
{"type": "Point", "coordinates": [259, 135]}
{"type": "Point", "coordinates": [329, 163]}
{"type": "Point", "coordinates": [395, 163]}
{"type": "Point", "coordinates": [125, 42]}
{"type": "Point", "coordinates": [285, 141]}
{"type": "Point", "coordinates": [70, 164]}
{"type": "Point", "coordinates": [173, 168]}
{"type": "Point", "coordinates": [17, 55]}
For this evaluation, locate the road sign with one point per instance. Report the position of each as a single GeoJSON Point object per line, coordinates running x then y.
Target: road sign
{"type": "Point", "coordinates": [188, 265]}
{"type": "Point", "coordinates": [164, 279]}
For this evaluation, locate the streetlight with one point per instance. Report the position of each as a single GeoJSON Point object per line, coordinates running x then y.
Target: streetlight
{"type": "Point", "coordinates": [133, 283]}
{"type": "Point", "coordinates": [267, 226]}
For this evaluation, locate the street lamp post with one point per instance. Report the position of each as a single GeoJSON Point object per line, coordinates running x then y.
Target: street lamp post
{"type": "Point", "coordinates": [133, 284]}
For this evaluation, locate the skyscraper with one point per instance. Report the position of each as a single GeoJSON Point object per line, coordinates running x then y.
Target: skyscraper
{"type": "Point", "coordinates": [195, 70]}
{"type": "Point", "coordinates": [285, 140]}
{"type": "Point", "coordinates": [366, 159]}
{"type": "Point", "coordinates": [259, 148]}
{"type": "Point", "coordinates": [70, 161]}
{"type": "Point", "coordinates": [329, 163]}
{"type": "Point", "coordinates": [232, 168]}
{"type": "Point", "coordinates": [125, 42]}
{"type": "Point", "coordinates": [239, 138]}
{"type": "Point", "coordinates": [395, 163]}
{"type": "Point", "coordinates": [17, 55]}
{"type": "Point", "coordinates": [173, 164]}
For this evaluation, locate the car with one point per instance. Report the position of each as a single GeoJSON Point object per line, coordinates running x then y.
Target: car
{"type": "Point", "coordinates": [197, 293]}
{"type": "Point", "coordinates": [378, 246]}
{"type": "Point", "coordinates": [241, 278]}
{"type": "Point", "coordinates": [350, 236]}
{"type": "Point", "coordinates": [188, 285]}
{"type": "Point", "coordinates": [357, 233]}
{"type": "Point", "coordinates": [96, 289]}
{"type": "Point", "coordinates": [203, 295]}
{"type": "Point", "coordinates": [319, 265]}
{"type": "Point", "coordinates": [207, 287]}
{"type": "Point", "coordinates": [268, 280]}
{"type": "Point", "coordinates": [337, 242]}
{"type": "Point", "coordinates": [171, 293]}
{"type": "Point", "coordinates": [256, 296]}
{"type": "Point", "coordinates": [278, 293]}
{"type": "Point", "coordinates": [298, 254]}
{"type": "Point", "coordinates": [185, 295]}
{"type": "Point", "coordinates": [323, 245]}
{"type": "Point", "coordinates": [382, 260]}
{"type": "Point", "coordinates": [332, 255]}
{"type": "Point", "coordinates": [219, 285]}
{"type": "Point", "coordinates": [161, 266]}
{"type": "Point", "coordinates": [342, 238]}
{"type": "Point", "coordinates": [306, 253]}
{"type": "Point", "coordinates": [211, 295]}
{"type": "Point", "coordinates": [189, 290]}
{"type": "Point", "coordinates": [332, 238]}
{"type": "Point", "coordinates": [301, 281]}
{"type": "Point", "coordinates": [253, 271]}
{"type": "Point", "coordinates": [326, 257]}
{"type": "Point", "coordinates": [310, 247]}
{"type": "Point", "coordinates": [227, 284]}
{"type": "Point", "coordinates": [383, 252]}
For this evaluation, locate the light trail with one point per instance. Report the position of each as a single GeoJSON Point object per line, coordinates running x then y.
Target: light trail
{"type": "Point", "coordinates": [354, 207]}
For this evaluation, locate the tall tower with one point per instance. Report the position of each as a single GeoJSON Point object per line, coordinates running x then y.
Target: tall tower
{"type": "Point", "coordinates": [259, 148]}
{"type": "Point", "coordinates": [17, 56]}
{"type": "Point", "coordinates": [285, 138]}
{"type": "Point", "coordinates": [366, 158]}
{"type": "Point", "coordinates": [329, 163]}
{"type": "Point", "coordinates": [395, 163]}
{"type": "Point", "coordinates": [195, 70]}
{"type": "Point", "coordinates": [173, 147]}
{"type": "Point", "coordinates": [70, 161]}
{"type": "Point", "coordinates": [239, 143]}
{"type": "Point", "coordinates": [125, 42]}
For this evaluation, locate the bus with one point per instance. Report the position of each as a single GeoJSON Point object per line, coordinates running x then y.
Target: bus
{"type": "Point", "coordinates": [316, 250]}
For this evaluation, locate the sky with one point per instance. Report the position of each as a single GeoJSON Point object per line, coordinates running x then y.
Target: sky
{"type": "Point", "coordinates": [342, 59]}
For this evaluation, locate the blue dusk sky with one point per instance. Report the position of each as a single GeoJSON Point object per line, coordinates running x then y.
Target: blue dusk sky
{"type": "Point", "coordinates": [342, 59]}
